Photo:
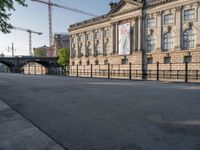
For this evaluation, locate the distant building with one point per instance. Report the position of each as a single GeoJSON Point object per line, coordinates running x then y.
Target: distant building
{"type": "Point", "coordinates": [2, 55]}
{"type": "Point", "coordinates": [40, 51]}
{"type": "Point", "coordinates": [61, 40]}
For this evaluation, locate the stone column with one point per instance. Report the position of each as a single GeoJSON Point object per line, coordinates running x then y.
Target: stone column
{"type": "Point", "coordinates": [178, 35]}
{"type": "Point", "coordinates": [76, 45]}
{"type": "Point", "coordinates": [198, 33]}
{"type": "Point", "coordinates": [102, 41]}
{"type": "Point", "coordinates": [133, 46]}
{"type": "Point", "coordinates": [84, 44]}
{"type": "Point", "coordinates": [93, 42]}
{"type": "Point", "coordinates": [70, 47]}
{"type": "Point", "coordinates": [159, 29]}
{"type": "Point", "coordinates": [139, 33]}
{"type": "Point", "coordinates": [136, 34]}
{"type": "Point", "coordinates": [116, 38]}
{"type": "Point", "coordinates": [113, 37]}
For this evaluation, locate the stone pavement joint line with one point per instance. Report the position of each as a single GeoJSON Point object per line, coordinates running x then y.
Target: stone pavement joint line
{"type": "Point", "coordinates": [19, 133]}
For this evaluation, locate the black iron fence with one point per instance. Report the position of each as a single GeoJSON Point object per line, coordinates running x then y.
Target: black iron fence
{"type": "Point", "coordinates": [184, 72]}
{"type": "Point", "coordinates": [158, 71]}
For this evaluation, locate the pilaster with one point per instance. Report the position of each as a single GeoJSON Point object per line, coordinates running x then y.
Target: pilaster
{"type": "Point", "coordinates": [178, 34]}
{"type": "Point", "coordinates": [159, 27]}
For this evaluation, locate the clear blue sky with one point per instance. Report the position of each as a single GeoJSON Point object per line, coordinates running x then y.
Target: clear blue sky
{"type": "Point", "coordinates": [35, 17]}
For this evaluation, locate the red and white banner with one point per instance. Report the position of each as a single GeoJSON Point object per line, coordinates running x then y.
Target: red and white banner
{"type": "Point", "coordinates": [124, 39]}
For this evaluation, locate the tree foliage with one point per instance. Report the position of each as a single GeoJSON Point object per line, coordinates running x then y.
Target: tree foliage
{"type": "Point", "coordinates": [6, 6]}
{"type": "Point", "coordinates": [63, 57]}
{"type": "Point", "coordinates": [40, 52]}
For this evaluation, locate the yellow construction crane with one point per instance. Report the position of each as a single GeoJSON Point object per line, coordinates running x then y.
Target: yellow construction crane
{"type": "Point", "coordinates": [30, 36]}
{"type": "Point", "coordinates": [50, 4]}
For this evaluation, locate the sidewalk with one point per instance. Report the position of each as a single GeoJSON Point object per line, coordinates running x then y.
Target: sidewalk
{"type": "Point", "coordinates": [16, 133]}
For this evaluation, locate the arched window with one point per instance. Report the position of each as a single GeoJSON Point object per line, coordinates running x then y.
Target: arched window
{"type": "Point", "coordinates": [168, 41]}
{"type": "Point", "coordinates": [97, 48]}
{"type": "Point", "coordinates": [189, 39]}
{"type": "Point", "coordinates": [150, 43]}
{"type": "Point", "coordinates": [106, 47]}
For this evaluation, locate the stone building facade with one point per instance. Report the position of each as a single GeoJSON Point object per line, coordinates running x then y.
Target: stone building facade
{"type": "Point", "coordinates": [61, 40]}
{"type": "Point", "coordinates": [165, 31]}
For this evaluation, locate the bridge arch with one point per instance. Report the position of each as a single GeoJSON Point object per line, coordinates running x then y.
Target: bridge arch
{"type": "Point", "coordinates": [16, 64]}
{"type": "Point", "coordinates": [9, 65]}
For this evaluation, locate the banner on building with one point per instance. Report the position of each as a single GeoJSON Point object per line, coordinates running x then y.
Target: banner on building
{"type": "Point", "coordinates": [124, 39]}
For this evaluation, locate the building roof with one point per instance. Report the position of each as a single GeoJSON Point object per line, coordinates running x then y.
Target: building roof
{"type": "Point", "coordinates": [139, 4]}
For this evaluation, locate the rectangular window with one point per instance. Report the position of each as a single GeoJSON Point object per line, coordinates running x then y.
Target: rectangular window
{"type": "Point", "coordinates": [167, 60]}
{"type": "Point", "coordinates": [88, 37]}
{"type": "Point", "coordinates": [88, 62]}
{"type": "Point", "coordinates": [96, 62]}
{"type": "Point", "coordinates": [97, 50]}
{"type": "Point", "coordinates": [187, 59]}
{"type": "Point", "coordinates": [168, 19]}
{"type": "Point", "coordinates": [151, 22]}
{"type": "Point", "coordinates": [73, 53]}
{"type": "Point", "coordinates": [105, 62]}
{"type": "Point", "coordinates": [107, 50]}
{"type": "Point", "coordinates": [73, 40]}
{"type": "Point", "coordinates": [189, 15]}
{"type": "Point", "coordinates": [106, 33]}
{"type": "Point", "coordinates": [73, 63]}
{"type": "Point", "coordinates": [150, 44]}
{"type": "Point", "coordinates": [150, 60]}
{"type": "Point", "coordinates": [80, 38]}
{"type": "Point", "coordinates": [80, 63]}
{"type": "Point", "coordinates": [97, 35]}
{"type": "Point", "coordinates": [124, 61]}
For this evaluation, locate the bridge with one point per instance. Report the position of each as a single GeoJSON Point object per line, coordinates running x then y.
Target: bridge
{"type": "Point", "coordinates": [16, 64]}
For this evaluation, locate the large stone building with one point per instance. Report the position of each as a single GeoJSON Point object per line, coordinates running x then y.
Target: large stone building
{"type": "Point", "coordinates": [141, 32]}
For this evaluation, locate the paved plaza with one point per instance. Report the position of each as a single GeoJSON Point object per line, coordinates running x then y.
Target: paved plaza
{"type": "Point", "coordinates": [66, 113]}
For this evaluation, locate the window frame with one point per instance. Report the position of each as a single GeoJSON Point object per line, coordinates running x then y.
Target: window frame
{"type": "Point", "coordinates": [190, 39]}
{"type": "Point", "coordinates": [150, 44]}
{"type": "Point", "coordinates": [189, 19]}
{"type": "Point", "coordinates": [149, 23]}
{"type": "Point", "coordinates": [168, 43]}
{"type": "Point", "coordinates": [168, 21]}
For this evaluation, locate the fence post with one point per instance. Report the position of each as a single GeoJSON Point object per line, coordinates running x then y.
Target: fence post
{"type": "Point", "coordinates": [157, 76]}
{"type": "Point", "coordinates": [77, 70]}
{"type": "Point", "coordinates": [41, 67]}
{"type": "Point", "coordinates": [29, 69]}
{"type": "Point", "coordinates": [170, 70]}
{"type": "Point", "coordinates": [35, 69]}
{"type": "Point", "coordinates": [186, 71]}
{"type": "Point", "coordinates": [130, 71]}
{"type": "Point", "coordinates": [91, 71]}
{"type": "Point", "coordinates": [108, 70]}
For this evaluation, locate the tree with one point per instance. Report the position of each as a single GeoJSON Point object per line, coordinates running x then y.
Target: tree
{"type": "Point", "coordinates": [5, 7]}
{"type": "Point", "coordinates": [40, 52]}
{"type": "Point", "coordinates": [63, 57]}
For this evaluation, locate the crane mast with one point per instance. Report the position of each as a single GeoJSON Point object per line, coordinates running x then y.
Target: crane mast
{"type": "Point", "coordinates": [50, 24]}
{"type": "Point", "coordinates": [30, 36]}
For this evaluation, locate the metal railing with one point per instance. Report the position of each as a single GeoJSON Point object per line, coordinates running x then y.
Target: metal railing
{"type": "Point", "coordinates": [184, 72]}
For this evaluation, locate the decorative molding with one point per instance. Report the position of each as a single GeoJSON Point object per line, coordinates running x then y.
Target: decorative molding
{"type": "Point", "coordinates": [178, 8]}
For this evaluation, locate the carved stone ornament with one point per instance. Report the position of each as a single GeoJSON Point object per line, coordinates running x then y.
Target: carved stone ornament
{"type": "Point", "coordinates": [169, 29]}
